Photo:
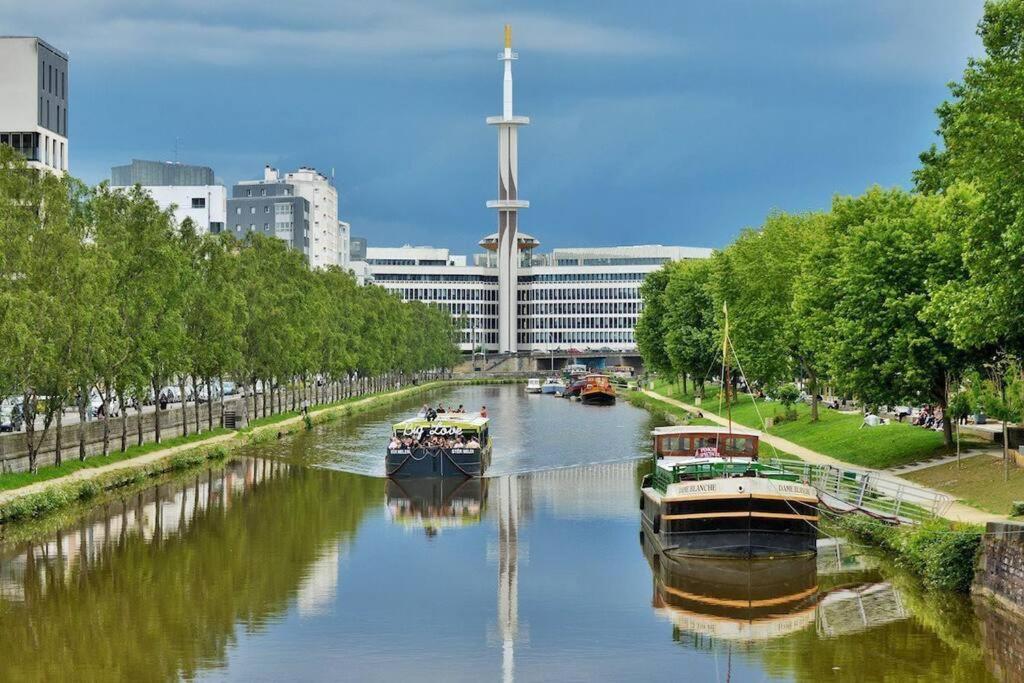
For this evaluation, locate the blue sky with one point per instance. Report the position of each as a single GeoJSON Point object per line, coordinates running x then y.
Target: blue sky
{"type": "Point", "coordinates": [653, 122]}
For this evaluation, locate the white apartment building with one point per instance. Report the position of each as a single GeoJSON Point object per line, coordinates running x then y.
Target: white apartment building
{"type": "Point", "coordinates": [191, 190]}
{"type": "Point", "coordinates": [34, 101]}
{"type": "Point", "coordinates": [344, 245]}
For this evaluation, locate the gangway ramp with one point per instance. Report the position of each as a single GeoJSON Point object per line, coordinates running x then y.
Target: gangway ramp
{"type": "Point", "coordinates": [870, 492]}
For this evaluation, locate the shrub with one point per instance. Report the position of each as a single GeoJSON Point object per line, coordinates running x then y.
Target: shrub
{"type": "Point", "coordinates": [1017, 508]}
{"type": "Point", "coordinates": [186, 461]}
{"type": "Point", "coordinates": [88, 490]}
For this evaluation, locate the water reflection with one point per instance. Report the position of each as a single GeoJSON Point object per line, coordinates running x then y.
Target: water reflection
{"type": "Point", "coordinates": [155, 587]}
{"type": "Point", "coordinates": [436, 503]}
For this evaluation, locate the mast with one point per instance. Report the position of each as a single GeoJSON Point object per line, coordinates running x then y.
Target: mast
{"type": "Point", "coordinates": [727, 384]}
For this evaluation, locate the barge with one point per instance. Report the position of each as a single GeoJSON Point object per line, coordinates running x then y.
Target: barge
{"type": "Point", "coordinates": [448, 445]}
{"type": "Point", "coordinates": [709, 496]}
{"type": "Point", "coordinates": [597, 390]}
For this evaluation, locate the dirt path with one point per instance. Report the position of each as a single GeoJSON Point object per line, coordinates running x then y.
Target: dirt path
{"type": "Point", "coordinates": [957, 512]}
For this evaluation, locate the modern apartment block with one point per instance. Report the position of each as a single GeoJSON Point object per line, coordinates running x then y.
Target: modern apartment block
{"type": "Point", "coordinates": [192, 190]}
{"type": "Point", "coordinates": [317, 232]}
{"type": "Point", "coordinates": [34, 101]}
{"type": "Point", "coordinates": [271, 207]}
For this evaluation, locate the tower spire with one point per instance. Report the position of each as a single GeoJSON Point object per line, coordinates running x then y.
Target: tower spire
{"type": "Point", "coordinates": [508, 204]}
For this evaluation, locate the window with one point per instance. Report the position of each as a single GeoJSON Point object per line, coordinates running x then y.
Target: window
{"type": "Point", "coordinates": [248, 193]}
{"type": "Point", "coordinates": [238, 227]}
{"type": "Point", "coordinates": [263, 193]}
{"type": "Point", "coordinates": [252, 210]}
{"type": "Point", "coordinates": [63, 87]}
{"type": "Point", "coordinates": [238, 211]}
{"type": "Point", "coordinates": [266, 209]}
{"type": "Point", "coordinates": [199, 202]}
{"type": "Point", "coordinates": [252, 226]}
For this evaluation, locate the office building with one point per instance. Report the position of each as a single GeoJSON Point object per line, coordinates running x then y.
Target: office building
{"type": "Point", "coordinates": [34, 101]}
{"type": "Point", "coordinates": [191, 190]}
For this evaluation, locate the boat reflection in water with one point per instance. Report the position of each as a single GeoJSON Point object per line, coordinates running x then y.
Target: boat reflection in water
{"type": "Point", "coordinates": [435, 503]}
{"type": "Point", "coordinates": [711, 600]}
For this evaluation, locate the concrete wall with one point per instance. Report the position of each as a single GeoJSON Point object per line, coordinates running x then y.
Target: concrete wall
{"type": "Point", "coordinates": [1000, 574]}
{"type": "Point", "coordinates": [1002, 637]}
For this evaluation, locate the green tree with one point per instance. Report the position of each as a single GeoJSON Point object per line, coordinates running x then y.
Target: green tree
{"type": "Point", "coordinates": [691, 330]}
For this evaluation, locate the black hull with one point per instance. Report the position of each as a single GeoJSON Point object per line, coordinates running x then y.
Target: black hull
{"type": "Point", "coordinates": [597, 399]}
{"type": "Point", "coordinates": [742, 537]}
{"type": "Point", "coordinates": [437, 463]}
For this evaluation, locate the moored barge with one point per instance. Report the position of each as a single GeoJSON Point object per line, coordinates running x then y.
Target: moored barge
{"type": "Point", "coordinates": [597, 390]}
{"type": "Point", "coordinates": [709, 496]}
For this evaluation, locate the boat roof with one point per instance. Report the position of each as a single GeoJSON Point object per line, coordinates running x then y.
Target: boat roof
{"type": "Point", "coordinates": [704, 429]}
{"type": "Point", "coordinates": [462, 420]}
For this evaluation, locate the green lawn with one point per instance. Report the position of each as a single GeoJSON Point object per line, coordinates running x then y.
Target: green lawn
{"type": "Point", "coordinates": [15, 480]}
{"type": "Point", "coordinates": [836, 434]}
{"type": "Point", "coordinates": [978, 482]}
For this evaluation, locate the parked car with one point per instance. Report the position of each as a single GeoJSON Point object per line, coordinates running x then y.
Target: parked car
{"type": "Point", "coordinates": [11, 419]}
{"type": "Point", "coordinates": [96, 404]}
{"type": "Point", "coordinates": [230, 389]}
{"type": "Point", "coordinates": [172, 393]}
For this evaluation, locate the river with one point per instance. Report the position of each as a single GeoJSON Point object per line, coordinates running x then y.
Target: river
{"type": "Point", "coordinates": [299, 562]}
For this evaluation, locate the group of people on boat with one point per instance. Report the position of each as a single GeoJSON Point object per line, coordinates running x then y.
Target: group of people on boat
{"type": "Point", "coordinates": [434, 441]}
{"type": "Point", "coordinates": [431, 414]}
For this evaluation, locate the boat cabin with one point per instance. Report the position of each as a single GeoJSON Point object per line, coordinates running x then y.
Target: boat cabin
{"type": "Point", "coordinates": [705, 442]}
{"type": "Point", "coordinates": [417, 432]}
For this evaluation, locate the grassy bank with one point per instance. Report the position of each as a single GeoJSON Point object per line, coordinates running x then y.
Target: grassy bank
{"type": "Point", "coordinates": [835, 434]}
{"type": "Point", "coordinates": [14, 480]}
{"type": "Point", "coordinates": [941, 553]}
{"type": "Point", "coordinates": [978, 482]}
{"type": "Point", "coordinates": [61, 496]}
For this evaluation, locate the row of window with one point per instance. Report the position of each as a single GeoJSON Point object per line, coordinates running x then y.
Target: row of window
{"type": "Point", "coordinates": [61, 119]}
{"type": "Point", "coordinates": [577, 338]}
{"type": "Point", "coordinates": [36, 147]}
{"type": "Point", "coordinates": [433, 277]}
{"type": "Point", "coordinates": [599, 323]}
{"type": "Point", "coordinates": [583, 277]}
{"type": "Point", "coordinates": [53, 81]}
{"type": "Point", "coordinates": [578, 293]}
{"type": "Point", "coordinates": [468, 337]}
{"type": "Point", "coordinates": [445, 294]}
{"type": "Point", "coordinates": [460, 309]}
{"type": "Point", "coordinates": [263, 192]}
{"type": "Point", "coordinates": [605, 307]}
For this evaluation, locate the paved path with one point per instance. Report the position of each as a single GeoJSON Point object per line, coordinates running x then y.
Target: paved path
{"type": "Point", "coordinates": [91, 472]}
{"type": "Point", "coordinates": [940, 460]}
{"type": "Point", "coordinates": [957, 512]}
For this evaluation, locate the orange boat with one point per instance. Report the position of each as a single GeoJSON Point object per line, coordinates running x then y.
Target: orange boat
{"type": "Point", "coordinates": [597, 391]}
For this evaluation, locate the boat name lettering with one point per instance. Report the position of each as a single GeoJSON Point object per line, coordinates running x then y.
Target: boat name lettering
{"type": "Point", "coordinates": [417, 432]}
{"type": "Point", "coordinates": [707, 452]}
{"type": "Point", "coordinates": [792, 488]}
{"type": "Point", "coordinates": [700, 488]}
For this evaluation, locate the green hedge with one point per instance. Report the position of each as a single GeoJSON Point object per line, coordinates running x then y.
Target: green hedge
{"type": "Point", "coordinates": [941, 553]}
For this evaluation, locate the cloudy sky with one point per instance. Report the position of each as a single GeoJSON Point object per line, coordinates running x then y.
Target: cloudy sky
{"type": "Point", "coordinates": [653, 122]}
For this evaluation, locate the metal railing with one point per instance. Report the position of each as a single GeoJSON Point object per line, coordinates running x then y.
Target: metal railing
{"type": "Point", "coordinates": [869, 491]}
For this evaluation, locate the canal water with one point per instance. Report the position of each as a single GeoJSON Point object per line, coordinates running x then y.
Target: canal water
{"type": "Point", "coordinates": [300, 562]}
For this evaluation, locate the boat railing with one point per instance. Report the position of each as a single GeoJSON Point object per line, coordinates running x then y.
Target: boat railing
{"type": "Point", "coordinates": [433, 450]}
{"type": "Point", "coordinates": [870, 492]}
{"type": "Point", "coordinates": [715, 470]}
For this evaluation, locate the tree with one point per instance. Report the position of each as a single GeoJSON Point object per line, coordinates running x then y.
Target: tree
{"type": "Point", "coordinates": [691, 331]}
{"type": "Point", "coordinates": [650, 325]}
{"type": "Point", "coordinates": [982, 130]}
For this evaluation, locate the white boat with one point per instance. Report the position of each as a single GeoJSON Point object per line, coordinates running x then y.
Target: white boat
{"type": "Point", "coordinates": [533, 385]}
{"type": "Point", "coordinates": [553, 385]}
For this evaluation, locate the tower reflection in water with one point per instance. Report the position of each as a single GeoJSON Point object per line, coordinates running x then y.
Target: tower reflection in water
{"type": "Point", "coordinates": [714, 603]}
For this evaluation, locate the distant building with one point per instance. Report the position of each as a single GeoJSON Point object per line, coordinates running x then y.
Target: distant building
{"type": "Point", "coordinates": [316, 229]}
{"type": "Point", "coordinates": [192, 190]}
{"type": "Point", "coordinates": [271, 207]}
{"type": "Point", "coordinates": [344, 244]}
{"type": "Point", "coordinates": [34, 101]}
{"type": "Point", "coordinates": [357, 248]}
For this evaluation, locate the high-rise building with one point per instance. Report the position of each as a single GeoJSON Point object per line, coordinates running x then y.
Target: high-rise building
{"type": "Point", "coordinates": [271, 207]}
{"type": "Point", "coordinates": [344, 244]}
{"type": "Point", "coordinates": [191, 190]}
{"type": "Point", "coordinates": [512, 299]}
{"type": "Point", "coordinates": [34, 101]}
{"type": "Point", "coordinates": [320, 233]}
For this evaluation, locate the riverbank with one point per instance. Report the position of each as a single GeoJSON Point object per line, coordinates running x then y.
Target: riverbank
{"type": "Point", "coordinates": [85, 484]}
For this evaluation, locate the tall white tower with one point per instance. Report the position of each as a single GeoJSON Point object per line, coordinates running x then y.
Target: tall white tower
{"type": "Point", "coordinates": [508, 204]}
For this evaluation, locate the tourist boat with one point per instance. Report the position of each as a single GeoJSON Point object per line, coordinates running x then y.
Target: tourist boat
{"type": "Point", "coordinates": [436, 503]}
{"type": "Point", "coordinates": [553, 385]}
{"type": "Point", "coordinates": [533, 386]}
{"type": "Point", "coordinates": [597, 390]}
{"type": "Point", "coordinates": [709, 495]}
{"type": "Point", "coordinates": [733, 601]}
{"type": "Point", "coordinates": [409, 456]}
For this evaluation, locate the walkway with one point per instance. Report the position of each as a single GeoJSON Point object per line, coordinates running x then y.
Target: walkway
{"type": "Point", "coordinates": [154, 456]}
{"type": "Point", "coordinates": [957, 512]}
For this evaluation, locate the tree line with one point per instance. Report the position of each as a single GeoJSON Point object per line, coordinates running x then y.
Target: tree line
{"type": "Point", "coordinates": [102, 293]}
{"type": "Point", "coordinates": [892, 296]}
